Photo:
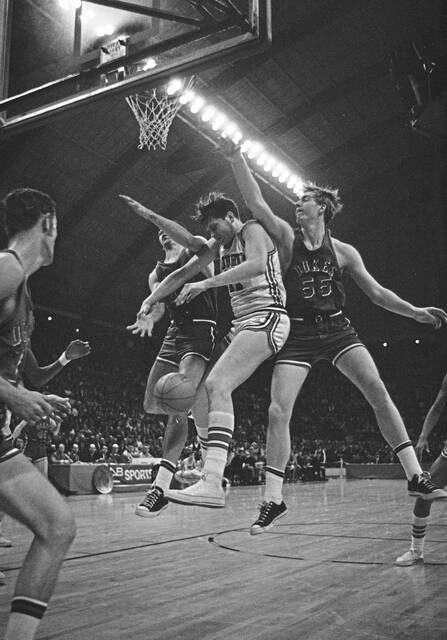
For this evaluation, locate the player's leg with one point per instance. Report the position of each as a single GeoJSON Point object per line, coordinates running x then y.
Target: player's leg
{"type": "Point", "coordinates": [4, 542]}
{"type": "Point", "coordinates": [287, 381]}
{"type": "Point", "coordinates": [200, 408]}
{"type": "Point", "coordinates": [358, 365]}
{"type": "Point", "coordinates": [421, 516]}
{"type": "Point", "coordinates": [42, 465]}
{"type": "Point", "coordinates": [245, 353]}
{"type": "Point", "coordinates": [29, 498]}
{"type": "Point", "coordinates": [154, 502]}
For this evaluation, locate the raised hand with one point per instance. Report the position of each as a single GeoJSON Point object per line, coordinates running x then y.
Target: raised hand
{"type": "Point", "coordinates": [136, 207]}
{"type": "Point", "coordinates": [77, 349]}
{"type": "Point", "coordinates": [431, 315]}
{"type": "Point", "coordinates": [143, 326]}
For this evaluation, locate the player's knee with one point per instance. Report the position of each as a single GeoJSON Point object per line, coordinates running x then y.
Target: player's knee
{"type": "Point", "coordinates": [59, 530]}
{"type": "Point", "coordinates": [279, 416]}
{"type": "Point", "coordinates": [377, 393]}
{"type": "Point", "coordinates": [215, 387]}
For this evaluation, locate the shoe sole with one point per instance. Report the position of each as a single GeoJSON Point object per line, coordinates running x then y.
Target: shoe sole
{"type": "Point", "coordinates": [429, 497]}
{"type": "Point", "coordinates": [212, 503]}
{"type": "Point", "coordinates": [145, 513]}
{"type": "Point", "coordinates": [258, 530]}
{"type": "Point", "coordinates": [409, 563]}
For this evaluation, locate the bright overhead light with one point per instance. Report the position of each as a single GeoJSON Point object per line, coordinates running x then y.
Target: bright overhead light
{"type": "Point", "coordinates": [187, 96]}
{"type": "Point", "coordinates": [150, 63]}
{"type": "Point", "coordinates": [262, 159]}
{"type": "Point", "coordinates": [277, 170]}
{"type": "Point", "coordinates": [298, 188]}
{"type": "Point", "coordinates": [246, 146]}
{"type": "Point", "coordinates": [208, 113]}
{"type": "Point", "coordinates": [218, 121]}
{"type": "Point", "coordinates": [174, 86]}
{"type": "Point", "coordinates": [237, 137]}
{"type": "Point", "coordinates": [284, 175]}
{"type": "Point", "coordinates": [269, 164]}
{"type": "Point", "coordinates": [197, 104]}
{"type": "Point", "coordinates": [384, 344]}
{"type": "Point", "coordinates": [255, 150]}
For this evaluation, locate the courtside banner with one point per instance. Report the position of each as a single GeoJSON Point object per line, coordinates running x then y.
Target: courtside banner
{"type": "Point", "coordinates": [131, 473]}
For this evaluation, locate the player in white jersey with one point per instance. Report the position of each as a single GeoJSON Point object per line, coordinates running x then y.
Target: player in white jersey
{"type": "Point", "coordinates": [250, 268]}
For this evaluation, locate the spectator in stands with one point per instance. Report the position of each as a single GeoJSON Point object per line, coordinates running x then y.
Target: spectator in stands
{"type": "Point", "coordinates": [59, 456]}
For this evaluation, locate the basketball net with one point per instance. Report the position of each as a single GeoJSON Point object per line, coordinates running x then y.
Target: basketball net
{"type": "Point", "coordinates": [155, 111]}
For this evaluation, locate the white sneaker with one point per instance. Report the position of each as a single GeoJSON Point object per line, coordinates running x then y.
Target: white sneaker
{"type": "Point", "coordinates": [409, 558]}
{"type": "Point", "coordinates": [4, 542]}
{"type": "Point", "coordinates": [207, 492]}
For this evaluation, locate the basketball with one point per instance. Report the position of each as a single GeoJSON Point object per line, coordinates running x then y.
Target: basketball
{"type": "Point", "coordinates": [174, 393]}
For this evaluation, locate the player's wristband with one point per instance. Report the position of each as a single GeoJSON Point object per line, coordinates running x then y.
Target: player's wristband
{"type": "Point", "coordinates": [63, 360]}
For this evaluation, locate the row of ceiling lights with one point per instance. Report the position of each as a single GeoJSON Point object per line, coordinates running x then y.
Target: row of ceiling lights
{"type": "Point", "coordinates": [226, 128]}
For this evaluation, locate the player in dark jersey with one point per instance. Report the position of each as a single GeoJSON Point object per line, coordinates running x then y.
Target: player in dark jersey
{"type": "Point", "coordinates": [187, 348]}
{"type": "Point", "coordinates": [438, 472]}
{"type": "Point", "coordinates": [30, 222]}
{"type": "Point", "coordinates": [249, 266]}
{"type": "Point", "coordinates": [38, 436]}
{"type": "Point", "coordinates": [313, 263]}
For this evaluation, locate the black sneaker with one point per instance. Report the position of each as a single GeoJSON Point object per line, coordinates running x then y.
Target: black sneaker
{"type": "Point", "coordinates": [421, 486]}
{"type": "Point", "coordinates": [270, 512]}
{"type": "Point", "coordinates": [153, 504]}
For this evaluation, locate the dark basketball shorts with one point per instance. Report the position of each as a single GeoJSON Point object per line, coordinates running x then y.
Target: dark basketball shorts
{"type": "Point", "coordinates": [193, 338]}
{"type": "Point", "coordinates": [272, 322]}
{"type": "Point", "coordinates": [36, 450]}
{"type": "Point", "coordinates": [7, 448]}
{"type": "Point", "coordinates": [311, 340]}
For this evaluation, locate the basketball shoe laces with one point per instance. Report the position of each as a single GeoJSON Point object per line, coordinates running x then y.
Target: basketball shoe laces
{"type": "Point", "coordinates": [151, 497]}
{"type": "Point", "coordinates": [265, 507]}
{"type": "Point", "coordinates": [426, 481]}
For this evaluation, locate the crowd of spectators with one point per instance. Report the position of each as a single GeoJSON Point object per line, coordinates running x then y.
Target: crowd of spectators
{"type": "Point", "coordinates": [331, 421]}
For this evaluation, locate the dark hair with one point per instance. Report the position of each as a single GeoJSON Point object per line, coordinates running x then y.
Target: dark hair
{"type": "Point", "coordinates": [327, 197]}
{"type": "Point", "coordinates": [214, 205]}
{"type": "Point", "coordinates": [22, 208]}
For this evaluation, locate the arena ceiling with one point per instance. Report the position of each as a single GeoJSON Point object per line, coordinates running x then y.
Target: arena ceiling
{"type": "Point", "coordinates": [324, 94]}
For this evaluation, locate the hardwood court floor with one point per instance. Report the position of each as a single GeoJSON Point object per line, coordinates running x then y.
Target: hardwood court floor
{"type": "Point", "coordinates": [325, 572]}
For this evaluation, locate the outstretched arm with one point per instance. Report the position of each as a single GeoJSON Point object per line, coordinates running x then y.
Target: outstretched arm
{"type": "Point", "coordinates": [353, 264]}
{"type": "Point", "coordinates": [279, 230]}
{"type": "Point", "coordinates": [39, 376]}
{"type": "Point", "coordinates": [173, 229]}
{"type": "Point", "coordinates": [432, 418]}
{"type": "Point", "coordinates": [176, 279]}
{"type": "Point", "coordinates": [257, 244]}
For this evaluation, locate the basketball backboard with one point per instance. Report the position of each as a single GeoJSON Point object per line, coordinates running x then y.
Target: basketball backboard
{"type": "Point", "coordinates": [61, 54]}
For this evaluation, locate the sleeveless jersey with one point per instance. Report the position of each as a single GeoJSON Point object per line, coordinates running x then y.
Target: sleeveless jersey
{"type": "Point", "coordinates": [15, 336]}
{"type": "Point", "coordinates": [15, 332]}
{"type": "Point", "coordinates": [314, 280]}
{"type": "Point", "coordinates": [260, 293]}
{"type": "Point", "coordinates": [202, 307]}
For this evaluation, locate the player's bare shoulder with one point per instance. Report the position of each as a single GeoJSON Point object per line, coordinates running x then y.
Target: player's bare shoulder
{"type": "Point", "coordinates": [11, 275]}
{"type": "Point", "coordinates": [347, 256]}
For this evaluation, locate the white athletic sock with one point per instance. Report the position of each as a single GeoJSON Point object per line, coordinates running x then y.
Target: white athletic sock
{"type": "Point", "coordinates": [418, 530]}
{"type": "Point", "coordinates": [220, 432]}
{"type": "Point", "coordinates": [202, 433]}
{"type": "Point", "coordinates": [408, 459]}
{"type": "Point", "coordinates": [24, 618]}
{"type": "Point", "coordinates": [164, 474]}
{"type": "Point", "coordinates": [274, 480]}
